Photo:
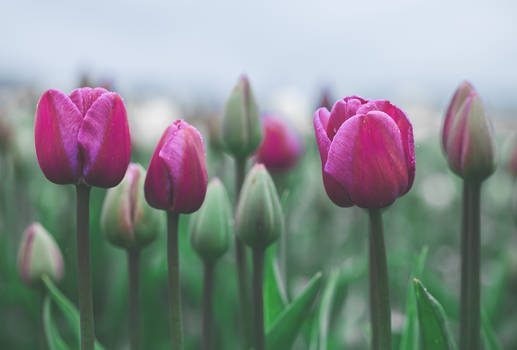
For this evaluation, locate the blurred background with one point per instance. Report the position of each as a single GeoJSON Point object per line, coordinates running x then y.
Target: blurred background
{"type": "Point", "coordinates": [181, 59]}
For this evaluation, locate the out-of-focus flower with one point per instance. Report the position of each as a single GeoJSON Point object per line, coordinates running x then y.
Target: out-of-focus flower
{"type": "Point", "coordinates": [281, 147]}
{"type": "Point", "coordinates": [325, 100]}
{"type": "Point", "coordinates": [211, 226]}
{"type": "Point", "coordinates": [467, 136]}
{"type": "Point", "coordinates": [367, 152]}
{"type": "Point", "coordinates": [127, 220]}
{"type": "Point", "coordinates": [176, 178]}
{"type": "Point", "coordinates": [513, 159]}
{"type": "Point", "coordinates": [241, 130]}
{"type": "Point", "coordinates": [39, 255]}
{"type": "Point", "coordinates": [82, 137]}
{"type": "Point", "coordinates": [259, 220]}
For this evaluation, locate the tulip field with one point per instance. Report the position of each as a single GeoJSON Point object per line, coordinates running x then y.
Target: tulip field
{"type": "Point", "coordinates": [236, 229]}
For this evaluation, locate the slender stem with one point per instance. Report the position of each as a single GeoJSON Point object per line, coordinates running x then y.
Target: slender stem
{"type": "Point", "coordinates": [41, 322]}
{"type": "Point", "coordinates": [241, 262]}
{"type": "Point", "coordinates": [258, 299]}
{"type": "Point", "coordinates": [470, 266]}
{"type": "Point", "coordinates": [174, 280]}
{"type": "Point", "coordinates": [380, 316]}
{"type": "Point", "coordinates": [84, 268]}
{"type": "Point", "coordinates": [208, 294]}
{"type": "Point", "coordinates": [133, 262]}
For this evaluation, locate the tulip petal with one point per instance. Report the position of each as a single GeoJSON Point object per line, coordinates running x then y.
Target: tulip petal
{"type": "Point", "coordinates": [460, 95]}
{"type": "Point", "coordinates": [184, 156]}
{"type": "Point", "coordinates": [105, 142]}
{"type": "Point", "coordinates": [157, 187]}
{"type": "Point", "coordinates": [367, 158]}
{"type": "Point", "coordinates": [342, 110]}
{"type": "Point", "coordinates": [406, 131]}
{"type": "Point", "coordinates": [334, 190]}
{"type": "Point", "coordinates": [84, 97]}
{"type": "Point", "coordinates": [57, 124]}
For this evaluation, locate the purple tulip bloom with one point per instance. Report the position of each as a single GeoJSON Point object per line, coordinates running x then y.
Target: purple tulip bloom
{"type": "Point", "coordinates": [82, 137]}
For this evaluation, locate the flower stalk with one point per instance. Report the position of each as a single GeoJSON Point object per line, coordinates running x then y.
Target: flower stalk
{"type": "Point", "coordinates": [133, 260]}
{"type": "Point", "coordinates": [380, 314]}
{"type": "Point", "coordinates": [84, 267]}
{"type": "Point", "coordinates": [208, 295]}
{"type": "Point", "coordinates": [258, 299]}
{"type": "Point", "coordinates": [470, 311]}
{"type": "Point", "coordinates": [174, 280]}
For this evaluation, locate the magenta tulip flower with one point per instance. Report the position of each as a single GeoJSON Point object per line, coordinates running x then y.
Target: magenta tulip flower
{"type": "Point", "coordinates": [367, 152]}
{"type": "Point", "coordinates": [177, 179]}
{"type": "Point", "coordinates": [281, 147]}
{"type": "Point", "coordinates": [83, 137]}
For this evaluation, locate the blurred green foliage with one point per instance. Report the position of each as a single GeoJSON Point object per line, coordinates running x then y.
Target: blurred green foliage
{"type": "Point", "coordinates": [320, 238]}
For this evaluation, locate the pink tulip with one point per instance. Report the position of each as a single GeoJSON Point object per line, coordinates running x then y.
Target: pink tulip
{"type": "Point", "coordinates": [280, 148]}
{"type": "Point", "coordinates": [367, 152]}
{"type": "Point", "coordinates": [460, 95]}
{"type": "Point", "coordinates": [83, 137]}
{"type": "Point", "coordinates": [176, 178]}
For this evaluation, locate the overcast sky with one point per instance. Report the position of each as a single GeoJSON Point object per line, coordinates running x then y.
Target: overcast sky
{"type": "Point", "coordinates": [417, 49]}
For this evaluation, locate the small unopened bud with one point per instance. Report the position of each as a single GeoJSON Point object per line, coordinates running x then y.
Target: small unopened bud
{"type": "Point", "coordinates": [39, 256]}
{"type": "Point", "coordinates": [241, 129]}
{"type": "Point", "coordinates": [127, 220]}
{"type": "Point", "coordinates": [259, 219]}
{"type": "Point", "coordinates": [468, 140]}
{"type": "Point", "coordinates": [211, 225]}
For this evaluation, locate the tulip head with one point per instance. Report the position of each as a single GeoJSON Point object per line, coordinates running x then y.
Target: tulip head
{"type": "Point", "coordinates": [468, 140]}
{"type": "Point", "coordinates": [127, 220]}
{"type": "Point", "coordinates": [211, 225]}
{"type": "Point", "coordinates": [367, 152]}
{"type": "Point", "coordinates": [39, 256]}
{"type": "Point", "coordinates": [241, 130]}
{"type": "Point", "coordinates": [176, 179]}
{"type": "Point", "coordinates": [83, 137]}
{"type": "Point", "coordinates": [281, 148]}
{"type": "Point", "coordinates": [259, 220]}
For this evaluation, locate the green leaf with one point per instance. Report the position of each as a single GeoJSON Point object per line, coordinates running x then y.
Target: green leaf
{"type": "Point", "coordinates": [489, 339]}
{"type": "Point", "coordinates": [410, 338]}
{"type": "Point", "coordinates": [497, 289]}
{"type": "Point", "coordinates": [54, 340]}
{"type": "Point", "coordinates": [433, 324]}
{"type": "Point", "coordinates": [282, 333]}
{"type": "Point", "coordinates": [67, 309]}
{"type": "Point", "coordinates": [275, 298]}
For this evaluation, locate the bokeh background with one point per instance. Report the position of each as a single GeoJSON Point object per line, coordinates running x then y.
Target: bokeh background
{"type": "Point", "coordinates": [180, 59]}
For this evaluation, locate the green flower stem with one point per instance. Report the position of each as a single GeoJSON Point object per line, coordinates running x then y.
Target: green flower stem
{"type": "Point", "coordinates": [84, 267]}
{"type": "Point", "coordinates": [41, 322]}
{"type": "Point", "coordinates": [208, 294]}
{"type": "Point", "coordinates": [240, 256]}
{"type": "Point", "coordinates": [133, 261]}
{"type": "Point", "coordinates": [380, 316]}
{"type": "Point", "coordinates": [470, 266]}
{"type": "Point", "coordinates": [258, 299]}
{"type": "Point", "coordinates": [174, 280]}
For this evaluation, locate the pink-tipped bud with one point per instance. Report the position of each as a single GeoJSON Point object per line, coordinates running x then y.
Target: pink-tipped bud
{"type": "Point", "coordinates": [82, 137]}
{"type": "Point", "coordinates": [176, 178]}
{"type": "Point", "coordinates": [468, 140]}
{"type": "Point", "coordinates": [39, 256]}
{"type": "Point", "coordinates": [367, 152]}
{"type": "Point", "coordinates": [281, 147]}
{"type": "Point", "coordinates": [127, 220]}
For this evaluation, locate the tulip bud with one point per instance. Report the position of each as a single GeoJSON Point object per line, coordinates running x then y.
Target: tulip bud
{"type": "Point", "coordinates": [460, 95]}
{"type": "Point", "coordinates": [176, 178]}
{"type": "Point", "coordinates": [39, 255]}
{"type": "Point", "coordinates": [469, 144]}
{"type": "Point", "coordinates": [241, 129]}
{"type": "Point", "coordinates": [259, 218]}
{"type": "Point", "coordinates": [83, 137]}
{"type": "Point", "coordinates": [127, 220]}
{"type": "Point", "coordinates": [210, 226]}
{"type": "Point", "coordinates": [281, 148]}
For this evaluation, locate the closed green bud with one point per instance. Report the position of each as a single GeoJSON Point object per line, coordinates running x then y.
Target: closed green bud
{"type": "Point", "coordinates": [127, 220]}
{"type": "Point", "coordinates": [259, 219]}
{"type": "Point", "coordinates": [39, 256]}
{"type": "Point", "coordinates": [211, 225]}
{"type": "Point", "coordinates": [241, 128]}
